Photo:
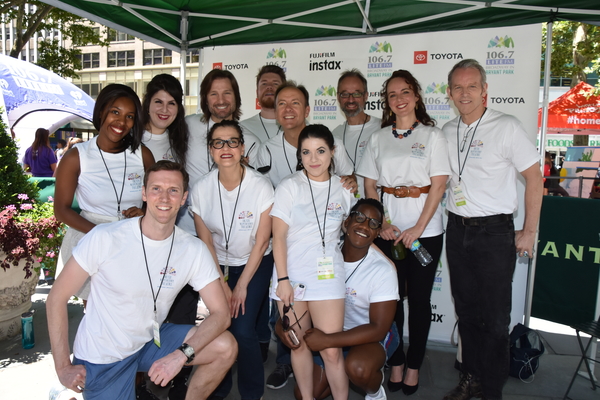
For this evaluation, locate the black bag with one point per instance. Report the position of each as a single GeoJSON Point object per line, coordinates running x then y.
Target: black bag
{"type": "Point", "coordinates": [526, 347]}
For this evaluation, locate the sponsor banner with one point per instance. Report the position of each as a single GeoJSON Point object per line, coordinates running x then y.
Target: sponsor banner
{"type": "Point", "coordinates": [510, 56]}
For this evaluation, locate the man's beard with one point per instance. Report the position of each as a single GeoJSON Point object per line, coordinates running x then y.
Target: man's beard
{"type": "Point", "coordinates": [267, 102]}
{"type": "Point", "coordinates": [352, 113]}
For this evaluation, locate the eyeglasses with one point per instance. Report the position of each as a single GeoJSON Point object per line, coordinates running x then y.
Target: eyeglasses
{"type": "Point", "coordinates": [360, 218]}
{"type": "Point", "coordinates": [356, 95]}
{"type": "Point", "coordinates": [220, 143]}
{"type": "Point", "coordinates": [285, 320]}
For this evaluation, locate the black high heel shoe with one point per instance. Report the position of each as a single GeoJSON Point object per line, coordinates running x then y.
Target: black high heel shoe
{"type": "Point", "coordinates": [395, 386]}
{"type": "Point", "coordinates": [408, 390]}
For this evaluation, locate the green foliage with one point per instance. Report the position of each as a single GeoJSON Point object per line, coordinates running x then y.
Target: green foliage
{"type": "Point", "coordinates": [12, 179]}
{"type": "Point", "coordinates": [52, 54]}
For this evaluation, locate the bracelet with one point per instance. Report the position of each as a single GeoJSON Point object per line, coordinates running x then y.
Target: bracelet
{"type": "Point", "coordinates": [285, 278]}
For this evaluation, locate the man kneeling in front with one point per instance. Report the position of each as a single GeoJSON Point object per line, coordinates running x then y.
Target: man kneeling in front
{"type": "Point", "coordinates": [137, 268]}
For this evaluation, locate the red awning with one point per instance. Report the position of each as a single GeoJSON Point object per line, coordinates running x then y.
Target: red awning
{"type": "Point", "coordinates": [575, 112]}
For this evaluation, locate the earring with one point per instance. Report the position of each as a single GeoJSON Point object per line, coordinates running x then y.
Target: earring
{"type": "Point", "coordinates": [391, 113]}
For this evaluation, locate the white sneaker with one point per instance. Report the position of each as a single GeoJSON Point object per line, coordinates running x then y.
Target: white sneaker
{"type": "Point", "coordinates": [380, 395]}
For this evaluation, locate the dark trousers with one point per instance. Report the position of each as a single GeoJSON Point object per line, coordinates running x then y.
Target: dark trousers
{"type": "Point", "coordinates": [481, 263]}
{"type": "Point", "coordinates": [416, 281]}
{"type": "Point", "coordinates": [249, 361]}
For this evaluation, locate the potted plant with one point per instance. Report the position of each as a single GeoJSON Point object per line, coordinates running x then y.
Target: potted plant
{"type": "Point", "coordinates": [29, 236]}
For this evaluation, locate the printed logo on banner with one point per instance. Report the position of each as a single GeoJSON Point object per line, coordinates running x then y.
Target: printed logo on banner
{"type": "Point", "coordinates": [437, 281]}
{"type": "Point", "coordinates": [436, 101]}
{"type": "Point", "coordinates": [380, 60]}
{"type": "Point", "coordinates": [374, 102]}
{"type": "Point", "coordinates": [325, 103]}
{"type": "Point", "coordinates": [435, 317]}
{"type": "Point", "coordinates": [500, 56]}
{"type": "Point", "coordinates": [420, 57]}
{"type": "Point", "coordinates": [4, 86]}
{"type": "Point", "coordinates": [77, 96]}
{"type": "Point", "coordinates": [229, 67]}
{"type": "Point", "coordinates": [328, 64]}
{"type": "Point", "coordinates": [507, 100]}
{"type": "Point", "coordinates": [277, 57]}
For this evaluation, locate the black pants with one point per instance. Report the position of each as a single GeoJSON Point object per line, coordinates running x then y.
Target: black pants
{"type": "Point", "coordinates": [416, 281]}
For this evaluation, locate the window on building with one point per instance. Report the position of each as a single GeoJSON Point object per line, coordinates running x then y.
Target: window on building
{"type": "Point", "coordinates": [90, 60]}
{"type": "Point", "coordinates": [192, 56]}
{"type": "Point", "coordinates": [92, 89]}
{"type": "Point", "coordinates": [157, 56]}
{"type": "Point", "coordinates": [116, 36]}
{"type": "Point", "coordinates": [121, 58]}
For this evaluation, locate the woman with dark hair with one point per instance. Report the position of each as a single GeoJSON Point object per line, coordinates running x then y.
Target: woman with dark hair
{"type": "Point", "coordinates": [39, 159]}
{"type": "Point", "coordinates": [308, 279]}
{"type": "Point", "coordinates": [407, 162]}
{"type": "Point", "coordinates": [105, 172]}
{"type": "Point", "coordinates": [231, 206]}
{"type": "Point", "coordinates": [163, 118]}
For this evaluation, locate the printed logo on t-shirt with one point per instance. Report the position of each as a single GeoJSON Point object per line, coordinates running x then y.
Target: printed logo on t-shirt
{"type": "Point", "coordinates": [335, 211]}
{"type": "Point", "coordinates": [168, 156]}
{"type": "Point", "coordinates": [418, 150]}
{"type": "Point", "coordinates": [476, 149]}
{"type": "Point", "coordinates": [246, 221]}
{"type": "Point", "coordinates": [361, 148]}
{"type": "Point", "coordinates": [169, 280]}
{"type": "Point", "coordinates": [135, 181]}
{"type": "Point", "coordinates": [350, 296]}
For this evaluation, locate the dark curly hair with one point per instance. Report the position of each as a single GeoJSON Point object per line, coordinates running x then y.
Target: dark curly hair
{"type": "Point", "coordinates": [389, 117]}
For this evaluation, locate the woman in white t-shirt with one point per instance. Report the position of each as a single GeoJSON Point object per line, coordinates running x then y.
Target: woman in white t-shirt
{"type": "Point", "coordinates": [163, 117]}
{"type": "Point", "coordinates": [106, 172]}
{"type": "Point", "coordinates": [308, 280]}
{"type": "Point", "coordinates": [231, 206]}
{"type": "Point", "coordinates": [407, 162]}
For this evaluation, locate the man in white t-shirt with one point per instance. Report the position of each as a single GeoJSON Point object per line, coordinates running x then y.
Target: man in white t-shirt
{"type": "Point", "coordinates": [137, 267]}
{"type": "Point", "coordinates": [356, 131]}
{"type": "Point", "coordinates": [486, 148]}
{"type": "Point", "coordinates": [264, 124]}
{"type": "Point", "coordinates": [277, 157]}
{"type": "Point", "coordinates": [369, 337]}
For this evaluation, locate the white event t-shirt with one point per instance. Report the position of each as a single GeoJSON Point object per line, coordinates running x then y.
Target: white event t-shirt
{"type": "Point", "coordinates": [263, 128]}
{"type": "Point", "coordinates": [255, 196]}
{"type": "Point", "coordinates": [159, 145]}
{"type": "Point", "coordinates": [119, 313]}
{"type": "Point", "coordinates": [410, 161]}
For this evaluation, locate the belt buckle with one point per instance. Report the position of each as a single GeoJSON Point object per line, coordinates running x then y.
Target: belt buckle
{"type": "Point", "coordinates": [401, 191]}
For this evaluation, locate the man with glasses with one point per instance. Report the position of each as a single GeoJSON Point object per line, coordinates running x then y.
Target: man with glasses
{"type": "Point", "coordinates": [486, 148]}
{"type": "Point", "coordinates": [264, 125]}
{"type": "Point", "coordinates": [371, 299]}
{"type": "Point", "coordinates": [352, 94]}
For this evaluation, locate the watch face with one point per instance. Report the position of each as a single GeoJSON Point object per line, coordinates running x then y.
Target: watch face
{"type": "Point", "coordinates": [188, 351]}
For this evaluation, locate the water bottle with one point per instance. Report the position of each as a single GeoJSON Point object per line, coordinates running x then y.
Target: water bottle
{"type": "Point", "coordinates": [422, 255]}
{"type": "Point", "coordinates": [398, 250]}
{"type": "Point", "coordinates": [27, 337]}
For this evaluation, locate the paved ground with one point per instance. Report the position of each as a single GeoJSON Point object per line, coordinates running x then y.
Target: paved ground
{"type": "Point", "coordinates": [29, 374]}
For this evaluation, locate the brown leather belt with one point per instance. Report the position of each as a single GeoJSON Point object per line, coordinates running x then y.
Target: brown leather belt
{"type": "Point", "coordinates": [406, 191]}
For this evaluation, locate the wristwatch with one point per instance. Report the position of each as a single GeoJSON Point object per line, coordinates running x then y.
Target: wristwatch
{"type": "Point", "coordinates": [188, 351]}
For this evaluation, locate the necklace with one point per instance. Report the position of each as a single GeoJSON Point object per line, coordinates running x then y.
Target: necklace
{"type": "Point", "coordinates": [119, 197]}
{"type": "Point", "coordinates": [357, 141]}
{"type": "Point", "coordinates": [227, 237]}
{"type": "Point", "coordinates": [405, 134]}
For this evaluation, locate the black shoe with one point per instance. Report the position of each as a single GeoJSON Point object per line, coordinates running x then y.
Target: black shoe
{"type": "Point", "coordinates": [264, 351]}
{"type": "Point", "coordinates": [467, 388]}
{"type": "Point", "coordinates": [280, 376]}
{"type": "Point", "coordinates": [142, 393]}
{"type": "Point", "coordinates": [408, 390]}
{"type": "Point", "coordinates": [394, 386]}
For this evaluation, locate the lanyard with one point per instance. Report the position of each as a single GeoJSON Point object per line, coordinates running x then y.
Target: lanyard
{"type": "Point", "coordinates": [321, 232]}
{"type": "Point", "coordinates": [208, 164]}
{"type": "Point", "coordinates": [166, 271]}
{"type": "Point", "coordinates": [285, 153]}
{"type": "Point", "coordinates": [227, 237]}
{"type": "Point", "coordinates": [361, 261]}
{"type": "Point", "coordinates": [357, 141]}
{"type": "Point", "coordinates": [265, 128]}
{"type": "Point", "coordinates": [119, 198]}
{"type": "Point", "coordinates": [458, 150]}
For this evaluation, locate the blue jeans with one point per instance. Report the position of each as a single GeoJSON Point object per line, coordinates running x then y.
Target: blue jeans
{"type": "Point", "coordinates": [481, 263]}
{"type": "Point", "coordinates": [250, 371]}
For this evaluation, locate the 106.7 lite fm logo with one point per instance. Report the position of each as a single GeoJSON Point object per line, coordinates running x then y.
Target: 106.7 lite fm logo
{"type": "Point", "coordinates": [380, 60]}
{"type": "Point", "coordinates": [325, 103]}
{"type": "Point", "coordinates": [277, 57]}
{"type": "Point", "coordinates": [436, 101]}
{"type": "Point", "coordinates": [500, 56]}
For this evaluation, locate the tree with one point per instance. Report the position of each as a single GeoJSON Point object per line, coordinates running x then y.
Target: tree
{"type": "Point", "coordinates": [575, 54]}
{"type": "Point", "coordinates": [35, 17]}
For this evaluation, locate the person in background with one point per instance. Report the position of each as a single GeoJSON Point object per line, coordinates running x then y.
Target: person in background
{"type": "Point", "coordinates": [239, 239]}
{"type": "Point", "coordinates": [106, 172]}
{"type": "Point", "coordinates": [39, 159]}
{"type": "Point", "coordinates": [552, 185]}
{"type": "Point", "coordinates": [60, 148]}
{"type": "Point", "coordinates": [308, 278]}
{"type": "Point", "coordinates": [406, 161]}
{"type": "Point", "coordinates": [352, 94]}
